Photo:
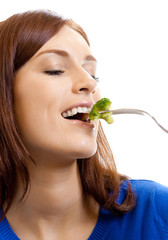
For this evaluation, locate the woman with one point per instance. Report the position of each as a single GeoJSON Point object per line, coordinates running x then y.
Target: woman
{"type": "Point", "coordinates": [58, 179]}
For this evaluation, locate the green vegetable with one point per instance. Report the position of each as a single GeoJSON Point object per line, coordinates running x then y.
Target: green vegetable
{"type": "Point", "coordinates": [101, 105]}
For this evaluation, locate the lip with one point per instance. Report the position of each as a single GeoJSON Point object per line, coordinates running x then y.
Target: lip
{"type": "Point", "coordinates": [81, 123]}
{"type": "Point", "coordinates": [79, 104]}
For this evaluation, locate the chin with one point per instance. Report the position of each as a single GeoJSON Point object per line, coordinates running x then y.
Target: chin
{"type": "Point", "coordinates": [87, 151]}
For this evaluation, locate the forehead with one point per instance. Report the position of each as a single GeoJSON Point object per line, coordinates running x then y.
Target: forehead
{"type": "Point", "coordinates": [69, 41]}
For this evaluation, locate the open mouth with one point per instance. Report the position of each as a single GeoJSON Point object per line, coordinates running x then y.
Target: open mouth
{"type": "Point", "coordinates": [79, 113]}
{"type": "Point", "coordinates": [79, 116]}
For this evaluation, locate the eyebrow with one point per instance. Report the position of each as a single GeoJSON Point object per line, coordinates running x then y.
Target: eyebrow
{"type": "Point", "coordinates": [65, 54]}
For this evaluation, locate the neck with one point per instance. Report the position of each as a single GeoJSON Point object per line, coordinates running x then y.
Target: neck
{"type": "Point", "coordinates": [53, 190]}
{"type": "Point", "coordinates": [55, 197]}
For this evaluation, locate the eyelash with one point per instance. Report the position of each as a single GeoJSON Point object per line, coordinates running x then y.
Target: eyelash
{"type": "Point", "coordinates": [95, 78]}
{"type": "Point", "coordinates": [59, 72]}
{"type": "Point", "coordinates": [54, 72]}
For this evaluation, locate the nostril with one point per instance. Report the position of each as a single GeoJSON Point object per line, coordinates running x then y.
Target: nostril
{"type": "Point", "coordinates": [83, 89]}
{"type": "Point", "coordinates": [86, 90]}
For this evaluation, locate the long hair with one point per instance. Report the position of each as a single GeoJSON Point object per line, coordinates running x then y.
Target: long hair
{"type": "Point", "coordinates": [21, 36]}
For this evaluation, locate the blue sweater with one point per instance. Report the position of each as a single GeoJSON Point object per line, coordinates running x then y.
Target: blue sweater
{"type": "Point", "coordinates": [147, 221]}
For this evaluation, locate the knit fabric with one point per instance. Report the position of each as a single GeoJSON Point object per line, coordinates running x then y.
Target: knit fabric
{"type": "Point", "coordinates": [147, 221]}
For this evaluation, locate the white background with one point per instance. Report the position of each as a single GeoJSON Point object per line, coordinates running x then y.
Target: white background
{"type": "Point", "coordinates": [130, 41]}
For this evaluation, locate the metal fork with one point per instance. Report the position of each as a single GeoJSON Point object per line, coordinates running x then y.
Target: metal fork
{"type": "Point", "coordinates": [134, 111]}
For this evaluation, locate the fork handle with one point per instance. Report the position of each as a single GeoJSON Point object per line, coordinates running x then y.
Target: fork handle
{"type": "Point", "coordinates": [125, 111]}
{"type": "Point", "coordinates": [128, 111]}
{"type": "Point", "coordinates": [134, 111]}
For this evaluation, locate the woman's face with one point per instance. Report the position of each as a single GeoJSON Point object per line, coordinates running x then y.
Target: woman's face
{"type": "Point", "coordinates": [59, 77]}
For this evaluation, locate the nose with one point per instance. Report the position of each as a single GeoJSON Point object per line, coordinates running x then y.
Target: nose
{"type": "Point", "coordinates": [84, 83]}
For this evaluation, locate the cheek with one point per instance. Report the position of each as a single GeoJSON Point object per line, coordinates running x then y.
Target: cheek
{"type": "Point", "coordinates": [35, 102]}
{"type": "Point", "coordinates": [97, 95]}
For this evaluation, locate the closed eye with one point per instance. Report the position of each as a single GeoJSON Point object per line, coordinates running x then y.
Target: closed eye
{"type": "Point", "coordinates": [59, 72]}
{"type": "Point", "coordinates": [54, 72]}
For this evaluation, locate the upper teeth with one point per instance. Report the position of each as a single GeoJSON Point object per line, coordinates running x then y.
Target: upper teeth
{"type": "Point", "coordinates": [74, 111]}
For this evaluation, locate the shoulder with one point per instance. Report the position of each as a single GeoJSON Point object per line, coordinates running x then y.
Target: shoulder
{"type": "Point", "coordinates": [153, 194]}
{"type": "Point", "coordinates": [147, 184]}
{"type": "Point", "coordinates": [147, 220]}
{"type": "Point", "coordinates": [146, 189]}
{"type": "Point", "coordinates": [152, 204]}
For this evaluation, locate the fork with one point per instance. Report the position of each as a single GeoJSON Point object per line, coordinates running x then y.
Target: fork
{"type": "Point", "coordinates": [134, 111]}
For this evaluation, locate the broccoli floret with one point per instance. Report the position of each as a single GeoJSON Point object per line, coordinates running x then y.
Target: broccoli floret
{"type": "Point", "coordinates": [101, 105]}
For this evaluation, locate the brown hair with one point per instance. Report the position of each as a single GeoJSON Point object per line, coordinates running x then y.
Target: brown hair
{"type": "Point", "coordinates": [21, 36]}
